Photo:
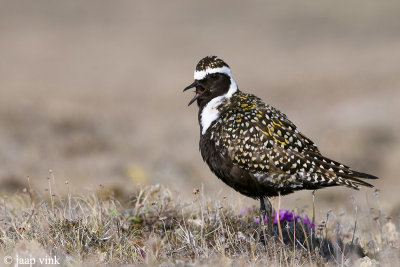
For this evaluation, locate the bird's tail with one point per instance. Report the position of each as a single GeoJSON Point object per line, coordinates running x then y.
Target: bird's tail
{"type": "Point", "coordinates": [338, 173]}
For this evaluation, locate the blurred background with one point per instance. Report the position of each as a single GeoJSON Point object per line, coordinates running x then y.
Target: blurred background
{"type": "Point", "coordinates": [93, 90]}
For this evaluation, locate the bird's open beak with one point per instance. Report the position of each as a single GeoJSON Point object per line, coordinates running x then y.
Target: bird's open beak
{"type": "Point", "coordinates": [199, 91]}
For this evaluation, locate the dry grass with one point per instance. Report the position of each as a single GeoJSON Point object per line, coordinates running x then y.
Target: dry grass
{"type": "Point", "coordinates": [154, 228]}
{"type": "Point", "coordinates": [94, 91]}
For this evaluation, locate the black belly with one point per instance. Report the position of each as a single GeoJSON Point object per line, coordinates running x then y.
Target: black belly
{"type": "Point", "coordinates": [239, 179]}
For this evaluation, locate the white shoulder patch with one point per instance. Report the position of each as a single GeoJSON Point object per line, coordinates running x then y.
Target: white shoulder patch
{"type": "Point", "coordinates": [210, 113]}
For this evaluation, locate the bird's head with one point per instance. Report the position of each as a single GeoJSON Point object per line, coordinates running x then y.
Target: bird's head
{"type": "Point", "coordinates": [212, 78]}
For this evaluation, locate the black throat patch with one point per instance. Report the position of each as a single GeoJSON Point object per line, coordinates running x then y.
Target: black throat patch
{"type": "Point", "coordinates": [214, 85]}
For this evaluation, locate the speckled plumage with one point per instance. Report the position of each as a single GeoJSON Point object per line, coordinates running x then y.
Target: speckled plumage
{"type": "Point", "coordinates": [269, 151]}
{"type": "Point", "coordinates": [212, 62]}
{"type": "Point", "coordinates": [255, 148]}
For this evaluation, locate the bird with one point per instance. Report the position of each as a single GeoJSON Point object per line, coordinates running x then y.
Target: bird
{"type": "Point", "coordinates": [253, 147]}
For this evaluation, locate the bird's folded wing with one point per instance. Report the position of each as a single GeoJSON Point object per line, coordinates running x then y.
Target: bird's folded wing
{"type": "Point", "coordinates": [273, 146]}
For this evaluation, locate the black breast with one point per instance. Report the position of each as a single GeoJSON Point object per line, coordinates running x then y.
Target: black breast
{"type": "Point", "coordinates": [217, 157]}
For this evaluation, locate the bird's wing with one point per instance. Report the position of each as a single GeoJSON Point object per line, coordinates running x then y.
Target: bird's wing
{"type": "Point", "coordinates": [259, 134]}
{"type": "Point", "coordinates": [268, 144]}
{"type": "Point", "coordinates": [283, 132]}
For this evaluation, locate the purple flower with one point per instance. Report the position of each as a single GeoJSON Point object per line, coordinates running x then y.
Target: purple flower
{"type": "Point", "coordinates": [142, 253]}
{"type": "Point", "coordinates": [306, 220]}
{"type": "Point", "coordinates": [285, 215]}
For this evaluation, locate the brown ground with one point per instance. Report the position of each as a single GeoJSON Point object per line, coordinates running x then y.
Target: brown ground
{"type": "Point", "coordinates": [93, 91]}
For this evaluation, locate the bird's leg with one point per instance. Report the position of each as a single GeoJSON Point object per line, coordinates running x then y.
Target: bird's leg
{"type": "Point", "coordinates": [266, 209]}
{"type": "Point", "coordinates": [262, 234]}
{"type": "Point", "coordinates": [313, 219]}
{"type": "Point", "coordinates": [270, 216]}
{"type": "Point", "coordinates": [313, 206]}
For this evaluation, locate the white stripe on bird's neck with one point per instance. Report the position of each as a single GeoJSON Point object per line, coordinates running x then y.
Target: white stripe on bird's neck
{"type": "Point", "coordinates": [210, 112]}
